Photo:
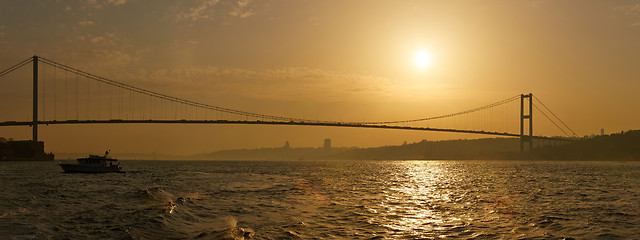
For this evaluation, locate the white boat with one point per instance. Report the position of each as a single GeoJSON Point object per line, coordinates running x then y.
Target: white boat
{"type": "Point", "coordinates": [93, 164]}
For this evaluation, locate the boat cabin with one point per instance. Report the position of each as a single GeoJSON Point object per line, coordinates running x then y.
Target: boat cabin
{"type": "Point", "coordinates": [96, 160]}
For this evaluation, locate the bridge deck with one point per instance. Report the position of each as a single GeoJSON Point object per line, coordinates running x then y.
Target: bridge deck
{"type": "Point", "coordinates": [259, 122]}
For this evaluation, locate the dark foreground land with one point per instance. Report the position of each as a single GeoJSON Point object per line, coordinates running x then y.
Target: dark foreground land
{"type": "Point", "coordinates": [23, 151]}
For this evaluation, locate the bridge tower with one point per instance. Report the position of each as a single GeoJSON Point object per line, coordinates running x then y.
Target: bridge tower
{"type": "Point", "coordinates": [35, 99]}
{"type": "Point", "coordinates": [524, 138]}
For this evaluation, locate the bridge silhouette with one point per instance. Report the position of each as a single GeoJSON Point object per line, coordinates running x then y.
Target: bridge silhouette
{"type": "Point", "coordinates": [105, 101]}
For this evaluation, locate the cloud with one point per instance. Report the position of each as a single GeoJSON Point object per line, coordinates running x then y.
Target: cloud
{"type": "Point", "coordinates": [95, 4]}
{"type": "Point", "coordinates": [117, 2]}
{"type": "Point", "coordinates": [629, 9]}
{"type": "Point", "coordinates": [241, 9]}
{"type": "Point", "coordinates": [106, 40]}
{"type": "Point", "coordinates": [2, 34]}
{"type": "Point", "coordinates": [283, 84]}
{"type": "Point", "coordinates": [202, 11]}
{"type": "Point", "coordinates": [85, 22]}
{"type": "Point", "coordinates": [98, 4]}
{"type": "Point", "coordinates": [213, 9]}
{"type": "Point", "coordinates": [630, 13]}
{"type": "Point", "coordinates": [96, 39]}
{"type": "Point", "coordinates": [108, 49]}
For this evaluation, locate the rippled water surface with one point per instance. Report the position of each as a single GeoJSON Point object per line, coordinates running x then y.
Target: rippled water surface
{"type": "Point", "coordinates": [323, 200]}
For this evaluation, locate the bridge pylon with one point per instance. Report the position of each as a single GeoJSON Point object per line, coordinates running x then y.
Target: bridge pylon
{"type": "Point", "coordinates": [529, 116]}
{"type": "Point", "coordinates": [35, 98]}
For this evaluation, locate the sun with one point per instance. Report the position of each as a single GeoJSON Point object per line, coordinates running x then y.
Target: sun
{"type": "Point", "coordinates": [422, 59]}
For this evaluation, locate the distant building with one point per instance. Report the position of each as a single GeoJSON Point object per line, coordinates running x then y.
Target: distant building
{"type": "Point", "coordinates": [602, 131]}
{"type": "Point", "coordinates": [327, 143]}
{"type": "Point", "coordinates": [286, 145]}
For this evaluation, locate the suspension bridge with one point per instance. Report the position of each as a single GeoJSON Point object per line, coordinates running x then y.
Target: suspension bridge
{"type": "Point", "coordinates": [62, 94]}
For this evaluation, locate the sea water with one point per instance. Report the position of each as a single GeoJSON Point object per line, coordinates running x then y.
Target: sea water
{"type": "Point", "coordinates": [323, 200]}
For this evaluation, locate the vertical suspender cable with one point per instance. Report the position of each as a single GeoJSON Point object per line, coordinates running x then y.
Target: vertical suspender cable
{"type": "Point", "coordinates": [77, 100]}
{"type": "Point", "coordinates": [110, 100]}
{"type": "Point", "coordinates": [121, 100]}
{"type": "Point", "coordinates": [98, 105]}
{"type": "Point", "coordinates": [55, 89]}
{"type": "Point", "coordinates": [66, 96]}
{"type": "Point", "coordinates": [88, 101]}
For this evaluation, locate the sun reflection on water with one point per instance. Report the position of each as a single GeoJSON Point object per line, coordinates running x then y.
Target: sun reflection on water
{"type": "Point", "coordinates": [414, 201]}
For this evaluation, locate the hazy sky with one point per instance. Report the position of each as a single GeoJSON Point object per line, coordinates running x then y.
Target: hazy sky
{"type": "Point", "coordinates": [333, 60]}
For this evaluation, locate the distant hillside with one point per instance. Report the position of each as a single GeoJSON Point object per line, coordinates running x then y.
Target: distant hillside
{"type": "Point", "coordinates": [272, 154]}
{"type": "Point", "coordinates": [488, 148]}
{"type": "Point", "coordinates": [620, 146]}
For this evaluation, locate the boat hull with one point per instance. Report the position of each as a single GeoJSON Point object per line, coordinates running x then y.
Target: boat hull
{"type": "Point", "coordinates": [75, 168]}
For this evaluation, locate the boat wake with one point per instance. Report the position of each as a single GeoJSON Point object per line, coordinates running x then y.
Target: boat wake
{"type": "Point", "coordinates": [182, 216]}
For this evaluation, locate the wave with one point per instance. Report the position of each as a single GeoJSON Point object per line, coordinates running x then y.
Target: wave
{"type": "Point", "coordinates": [168, 215]}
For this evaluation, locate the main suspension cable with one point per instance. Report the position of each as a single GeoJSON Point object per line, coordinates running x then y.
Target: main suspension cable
{"type": "Point", "coordinates": [554, 123]}
{"type": "Point", "coordinates": [170, 98]}
{"type": "Point", "coordinates": [244, 113]}
{"type": "Point", "coordinates": [15, 67]}
{"type": "Point", "coordinates": [448, 115]}
{"type": "Point", "coordinates": [574, 133]}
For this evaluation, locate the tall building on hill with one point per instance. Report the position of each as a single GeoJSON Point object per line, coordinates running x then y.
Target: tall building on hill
{"type": "Point", "coordinates": [327, 143]}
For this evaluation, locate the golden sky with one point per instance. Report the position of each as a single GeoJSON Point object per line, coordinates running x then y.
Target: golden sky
{"type": "Point", "coordinates": [330, 60]}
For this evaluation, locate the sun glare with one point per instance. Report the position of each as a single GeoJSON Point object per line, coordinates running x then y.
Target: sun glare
{"type": "Point", "coordinates": [422, 59]}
